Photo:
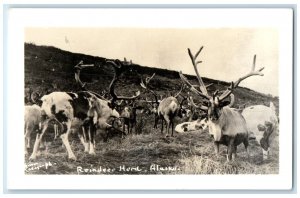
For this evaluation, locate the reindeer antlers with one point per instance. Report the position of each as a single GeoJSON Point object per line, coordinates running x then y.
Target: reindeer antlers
{"type": "Point", "coordinates": [145, 86]}
{"type": "Point", "coordinates": [118, 69]}
{"type": "Point", "coordinates": [78, 68]}
{"type": "Point", "coordinates": [181, 89]}
{"type": "Point", "coordinates": [203, 91]}
{"type": "Point", "coordinates": [193, 89]}
{"type": "Point", "coordinates": [147, 80]}
{"type": "Point", "coordinates": [193, 58]}
{"type": "Point", "coordinates": [236, 83]}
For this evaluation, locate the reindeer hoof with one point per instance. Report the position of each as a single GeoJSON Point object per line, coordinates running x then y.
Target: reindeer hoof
{"type": "Point", "coordinates": [92, 153]}
{"type": "Point", "coordinates": [72, 157]}
{"type": "Point", "coordinates": [32, 157]}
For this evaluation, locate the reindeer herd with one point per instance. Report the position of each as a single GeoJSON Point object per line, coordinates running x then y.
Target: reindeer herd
{"type": "Point", "coordinates": [227, 125]}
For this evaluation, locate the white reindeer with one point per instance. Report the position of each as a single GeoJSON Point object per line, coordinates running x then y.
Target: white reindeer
{"type": "Point", "coordinates": [262, 124]}
{"type": "Point", "coordinates": [32, 122]}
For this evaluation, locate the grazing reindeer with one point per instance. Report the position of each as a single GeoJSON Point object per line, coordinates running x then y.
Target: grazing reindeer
{"type": "Point", "coordinates": [262, 124]}
{"type": "Point", "coordinates": [117, 101]}
{"type": "Point", "coordinates": [227, 125]}
{"type": "Point", "coordinates": [129, 116]}
{"type": "Point", "coordinates": [32, 122]}
{"type": "Point", "coordinates": [154, 104]}
{"type": "Point", "coordinates": [125, 115]}
{"type": "Point", "coordinates": [168, 108]}
{"type": "Point", "coordinates": [84, 105]}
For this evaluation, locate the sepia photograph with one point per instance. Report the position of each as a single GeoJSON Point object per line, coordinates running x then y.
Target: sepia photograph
{"type": "Point", "coordinates": [149, 99]}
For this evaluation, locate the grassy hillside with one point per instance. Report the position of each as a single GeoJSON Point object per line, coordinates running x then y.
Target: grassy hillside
{"type": "Point", "coordinates": [45, 66]}
{"type": "Point", "coordinates": [50, 69]}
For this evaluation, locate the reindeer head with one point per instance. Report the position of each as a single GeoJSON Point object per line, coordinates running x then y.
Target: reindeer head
{"type": "Point", "coordinates": [213, 104]}
{"type": "Point", "coordinates": [154, 104]}
{"type": "Point", "coordinates": [119, 68]}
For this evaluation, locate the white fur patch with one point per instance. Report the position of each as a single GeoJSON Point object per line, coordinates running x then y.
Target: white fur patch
{"type": "Point", "coordinates": [61, 102]}
{"type": "Point", "coordinates": [230, 123]}
{"type": "Point", "coordinates": [215, 130]}
{"type": "Point", "coordinates": [196, 125]}
{"type": "Point", "coordinates": [258, 115]}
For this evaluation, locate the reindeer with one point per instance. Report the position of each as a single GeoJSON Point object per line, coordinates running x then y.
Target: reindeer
{"type": "Point", "coordinates": [33, 111]}
{"type": "Point", "coordinates": [225, 124]}
{"type": "Point", "coordinates": [167, 109]}
{"type": "Point", "coordinates": [129, 116]}
{"type": "Point", "coordinates": [84, 105]}
{"type": "Point", "coordinates": [262, 124]}
{"type": "Point", "coordinates": [32, 121]}
{"type": "Point", "coordinates": [118, 101]}
{"type": "Point", "coordinates": [154, 104]}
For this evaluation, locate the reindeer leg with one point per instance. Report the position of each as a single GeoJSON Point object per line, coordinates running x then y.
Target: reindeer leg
{"type": "Point", "coordinates": [156, 118]}
{"type": "Point", "coordinates": [94, 136]}
{"type": "Point", "coordinates": [172, 125]}
{"type": "Point", "coordinates": [217, 147]}
{"type": "Point", "coordinates": [26, 143]}
{"type": "Point", "coordinates": [124, 127]}
{"type": "Point", "coordinates": [230, 149]}
{"type": "Point", "coordinates": [246, 144]}
{"type": "Point", "coordinates": [128, 128]}
{"type": "Point", "coordinates": [134, 126]}
{"type": "Point", "coordinates": [191, 116]}
{"type": "Point", "coordinates": [83, 140]}
{"type": "Point", "coordinates": [38, 139]}
{"type": "Point", "coordinates": [27, 138]}
{"type": "Point", "coordinates": [162, 125]}
{"type": "Point", "coordinates": [91, 140]}
{"type": "Point", "coordinates": [234, 153]}
{"type": "Point", "coordinates": [65, 139]}
{"type": "Point", "coordinates": [168, 123]}
{"type": "Point", "coordinates": [55, 131]}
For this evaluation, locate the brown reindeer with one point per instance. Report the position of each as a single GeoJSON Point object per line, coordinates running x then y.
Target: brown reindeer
{"type": "Point", "coordinates": [167, 109]}
{"type": "Point", "coordinates": [227, 125]}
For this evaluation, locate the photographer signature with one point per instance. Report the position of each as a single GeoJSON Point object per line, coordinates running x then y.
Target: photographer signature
{"type": "Point", "coordinates": [38, 165]}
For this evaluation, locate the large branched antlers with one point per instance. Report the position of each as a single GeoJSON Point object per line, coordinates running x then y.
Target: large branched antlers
{"type": "Point", "coordinates": [234, 85]}
{"type": "Point", "coordinates": [118, 69]}
{"type": "Point", "coordinates": [145, 86]}
{"type": "Point", "coordinates": [192, 87]}
{"type": "Point", "coordinates": [147, 80]}
{"type": "Point", "coordinates": [203, 91]}
{"type": "Point", "coordinates": [195, 63]}
{"type": "Point", "coordinates": [78, 68]}
{"type": "Point", "coordinates": [181, 89]}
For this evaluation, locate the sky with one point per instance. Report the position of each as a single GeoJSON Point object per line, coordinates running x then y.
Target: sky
{"type": "Point", "coordinates": [227, 53]}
